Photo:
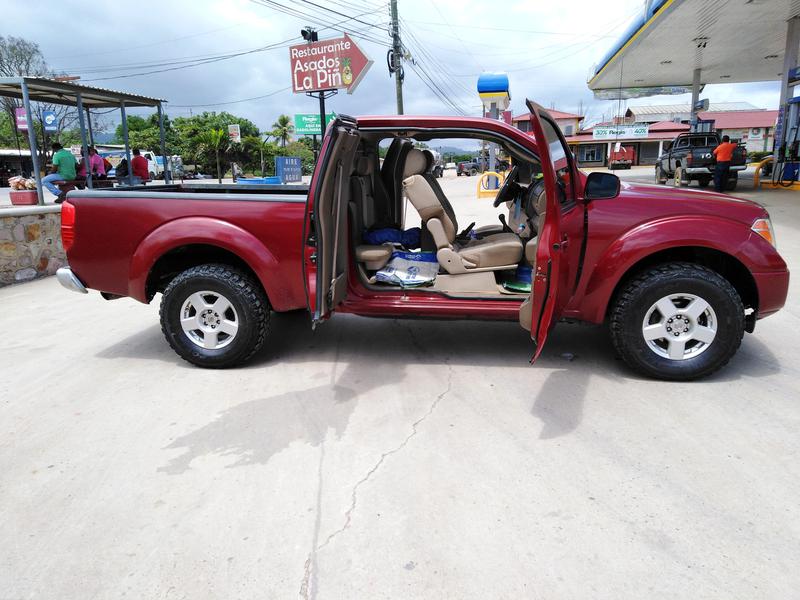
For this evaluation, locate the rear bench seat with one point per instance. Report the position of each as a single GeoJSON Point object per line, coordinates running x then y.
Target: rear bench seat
{"type": "Point", "coordinates": [362, 216]}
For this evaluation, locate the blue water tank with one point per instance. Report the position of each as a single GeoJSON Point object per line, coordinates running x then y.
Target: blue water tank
{"type": "Point", "coordinates": [492, 83]}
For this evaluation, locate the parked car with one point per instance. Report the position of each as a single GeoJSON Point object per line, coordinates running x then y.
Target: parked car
{"type": "Point", "coordinates": [622, 158]}
{"type": "Point", "coordinates": [678, 280]}
{"type": "Point", "coordinates": [468, 167]}
{"type": "Point", "coordinates": [690, 157]}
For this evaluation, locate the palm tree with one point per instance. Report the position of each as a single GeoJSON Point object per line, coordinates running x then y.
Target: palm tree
{"type": "Point", "coordinates": [214, 140]}
{"type": "Point", "coordinates": [253, 143]}
{"type": "Point", "coordinates": [282, 129]}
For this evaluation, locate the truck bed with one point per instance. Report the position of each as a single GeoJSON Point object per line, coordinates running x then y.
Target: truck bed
{"type": "Point", "coordinates": [120, 234]}
{"type": "Point", "coordinates": [222, 189]}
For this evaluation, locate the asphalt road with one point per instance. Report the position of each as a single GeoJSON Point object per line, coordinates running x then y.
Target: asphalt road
{"type": "Point", "coordinates": [391, 459]}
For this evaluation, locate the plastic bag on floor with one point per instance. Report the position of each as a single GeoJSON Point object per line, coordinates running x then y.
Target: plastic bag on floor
{"type": "Point", "coordinates": [409, 269]}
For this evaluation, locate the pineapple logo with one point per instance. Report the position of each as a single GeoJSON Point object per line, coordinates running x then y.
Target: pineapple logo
{"type": "Point", "coordinates": [347, 72]}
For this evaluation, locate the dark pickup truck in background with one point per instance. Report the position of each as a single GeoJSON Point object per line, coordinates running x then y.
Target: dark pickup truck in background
{"type": "Point", "coordinates": [690, 157]}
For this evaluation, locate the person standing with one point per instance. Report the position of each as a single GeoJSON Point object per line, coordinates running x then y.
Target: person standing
{"type": "Point", "coordinates": [723, 154]}
{"type": "Point", "coordinates": [96, 165]}
{"type": "Point", "coordinates": [63, 170]}
{"type": "Point", "coordinates": [139, 166]}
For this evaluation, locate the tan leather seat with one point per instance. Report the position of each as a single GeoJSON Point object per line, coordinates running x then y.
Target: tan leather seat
{"type": "Point", "coordinates": [373, 257]}
{"type": "Point", "coordinates": [492, 253]}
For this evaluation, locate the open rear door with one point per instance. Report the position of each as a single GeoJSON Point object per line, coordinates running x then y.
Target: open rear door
{"type": "Point", "coordinates": [545, 301]}
{"type": "Point", "coordinates": [325, 241]}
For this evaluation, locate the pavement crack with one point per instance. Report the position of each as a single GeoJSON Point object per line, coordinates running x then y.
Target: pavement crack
{"type": "Point", "coordinates": [414, 429]}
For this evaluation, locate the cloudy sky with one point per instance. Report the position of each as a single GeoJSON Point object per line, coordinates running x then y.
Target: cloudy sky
{"type": "Point", "coordinates": [176, 49]}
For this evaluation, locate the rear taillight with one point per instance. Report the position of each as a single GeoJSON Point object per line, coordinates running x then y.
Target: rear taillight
{"type": "Point", "coordinates": [67, 225]}
{"type": "Point", "coordinates": [689, 158]}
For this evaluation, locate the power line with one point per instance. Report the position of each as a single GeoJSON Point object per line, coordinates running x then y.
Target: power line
{"type": "Point", "coordinates": [537, 31]}
{"type": "Point", "coordinates": [285, 89]}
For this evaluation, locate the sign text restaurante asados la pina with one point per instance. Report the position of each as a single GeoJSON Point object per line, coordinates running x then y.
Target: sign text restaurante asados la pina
{"type": "Point", "coordinates": [328, 64]}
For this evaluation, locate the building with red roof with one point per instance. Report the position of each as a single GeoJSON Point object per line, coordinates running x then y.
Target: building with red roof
{"type": "Point", "coordinates": [753, 128]}
{"type": "Point", "coordinates": [568, 122]}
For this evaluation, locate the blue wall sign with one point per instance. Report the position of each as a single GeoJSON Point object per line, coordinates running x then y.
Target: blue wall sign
{"type": "Point", "coordinates": [50, 120]}
{"type": "Point", "coordinates": [289, 169]}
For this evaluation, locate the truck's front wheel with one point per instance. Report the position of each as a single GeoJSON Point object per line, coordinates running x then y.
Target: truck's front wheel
{"type": "Point", "coordinates": [214, 316]}
{"type": "Point", "coordinates": [677, 321]}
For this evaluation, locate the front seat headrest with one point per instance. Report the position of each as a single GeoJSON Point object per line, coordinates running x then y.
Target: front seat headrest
{"type": "Point", "coordinates": [416, 163]}
{"type": "Point", "coordinates": [431, 160]}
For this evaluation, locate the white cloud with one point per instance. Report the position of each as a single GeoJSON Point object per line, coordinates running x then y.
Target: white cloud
{"type": "Point", "coordinates": [547, 48]}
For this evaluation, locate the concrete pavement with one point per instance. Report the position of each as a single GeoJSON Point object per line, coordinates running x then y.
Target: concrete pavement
{"type": "Point", "coordinates": [390, 459]}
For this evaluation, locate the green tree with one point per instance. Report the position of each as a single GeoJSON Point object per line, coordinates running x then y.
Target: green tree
{"type": "Point", "coordinates": [214, 141]}
{"type": "Point", "coordinates": [282, 129]}
{"type": "Point", "coordinates": [261, 152]}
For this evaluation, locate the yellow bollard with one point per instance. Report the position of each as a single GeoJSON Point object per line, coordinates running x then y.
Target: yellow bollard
{"type": "Point", "coordinates": [757, 173]}
{"type": "Point", "coordinates": [483, 183]}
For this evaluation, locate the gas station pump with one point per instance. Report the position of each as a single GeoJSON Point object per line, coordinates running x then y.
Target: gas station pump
{"type": "Point", "coordinates": [787, 139]}
{"type": "Point", "coordinates": [493, 90]}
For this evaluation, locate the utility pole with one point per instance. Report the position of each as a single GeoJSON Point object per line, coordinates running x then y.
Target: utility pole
{"type": "Point", "coordinates": [396, 57]}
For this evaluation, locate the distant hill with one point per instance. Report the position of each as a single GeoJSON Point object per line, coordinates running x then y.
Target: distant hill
{"type": "Point", "coordinates": [103, 138]}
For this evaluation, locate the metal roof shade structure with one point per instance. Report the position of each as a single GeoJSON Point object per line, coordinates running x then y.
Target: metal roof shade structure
{"type": "Point", "coordinates": [83, 97]}
{"type": "Point", "coordinates": [731, 41]}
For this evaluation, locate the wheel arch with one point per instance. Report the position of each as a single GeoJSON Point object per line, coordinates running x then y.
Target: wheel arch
{"type": "Point", "coordinates": [726, 265]}
{"type": "Point", "coordinates": [192, 241]}
{"type": "Point", "coordinates": [181, 258]}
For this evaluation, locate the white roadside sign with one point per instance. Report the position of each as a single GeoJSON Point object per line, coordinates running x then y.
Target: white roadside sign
{"type": "Point", "coordinates": [614, 132]}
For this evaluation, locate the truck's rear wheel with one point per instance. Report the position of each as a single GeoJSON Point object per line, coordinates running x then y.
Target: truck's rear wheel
{"type": "Point", "coordinates": [214, 316]}
{"type": "Point", "coordinates": [677, 321]}
{"type": "Point", "coordinates": [703, 181]}
{"type": "Point", "coordinates": [661, 177]}
{"type": "Point", "coordinates": [733, 179]}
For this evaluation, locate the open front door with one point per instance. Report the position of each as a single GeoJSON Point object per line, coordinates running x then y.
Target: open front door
{"type": "Point", "coordinates": [547, 296]}
{"type": "Point", "coordinates": [325, 251]}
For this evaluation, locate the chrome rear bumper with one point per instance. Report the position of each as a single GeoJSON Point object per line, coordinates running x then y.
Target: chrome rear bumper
{"type": "Point", "coordinates": [70, 281]}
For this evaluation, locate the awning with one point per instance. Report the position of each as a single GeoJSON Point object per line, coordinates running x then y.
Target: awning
{"type": "Point", "coordinates": [42, 89]}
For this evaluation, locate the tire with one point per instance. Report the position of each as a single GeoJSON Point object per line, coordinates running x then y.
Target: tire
{"type": "Point", "coordinates": [679, 182]}
{"type": "Point", "coordinates": [703, 181]}
{"type": "Point", "coordinates": [732, 181]}
{"type": "Point", "coordinates": [635, 315]}
{"type": "Point", "coordinates": [473, 172]}
{"type": "Point", "coordinates": [458, 174]}
{"type": "Point", "coordinates": [152, 176]}
{"type": "Point", "coordinates": [661, 177]}
{"type": "Point", "coordinates": [209, 338]}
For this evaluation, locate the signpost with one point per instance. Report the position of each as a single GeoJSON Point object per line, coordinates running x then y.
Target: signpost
{"type": "Point", "coordinates": [327, 65]}
{"type": "Point", "coordinates": [321, 68]}
{"type": "Point", "coordinates": [22, 119]}
{"type": "Point", "coordinates": [50, 121]}
{"type": "Point", "coordinates": [289, 169]}
{"type": "Point", "coordinates": [308, 124]}
{"type": "Point", "coordinates": [234, 134]}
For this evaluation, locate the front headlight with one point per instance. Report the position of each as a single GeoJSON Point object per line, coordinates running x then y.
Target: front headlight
{"type": "Point", "coordinates": [763, 227]}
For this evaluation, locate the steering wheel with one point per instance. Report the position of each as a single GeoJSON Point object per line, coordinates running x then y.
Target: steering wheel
{"type": "Point", "coordinates": [509, 190]}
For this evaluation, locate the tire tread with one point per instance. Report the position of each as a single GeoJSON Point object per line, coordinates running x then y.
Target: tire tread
{"type": "Point", "coordinates": [627, 297]}
{"type": "Point", "coordinates": [250, 293]}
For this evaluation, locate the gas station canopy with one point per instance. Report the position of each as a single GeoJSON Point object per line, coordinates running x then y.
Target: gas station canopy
{"type": "Point", "coordinates": [729, 41]}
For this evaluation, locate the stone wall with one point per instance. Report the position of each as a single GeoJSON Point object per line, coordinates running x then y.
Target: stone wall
{"type": "Point", "coordinates": [30, 243]}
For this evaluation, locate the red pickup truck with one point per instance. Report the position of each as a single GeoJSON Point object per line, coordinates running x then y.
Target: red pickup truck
{"type": "Point", "coordinates": [678, 275]}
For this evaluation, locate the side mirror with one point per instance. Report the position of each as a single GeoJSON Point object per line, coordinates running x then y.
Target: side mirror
{"type": "Point", "coordinates": [601, 186]}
